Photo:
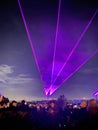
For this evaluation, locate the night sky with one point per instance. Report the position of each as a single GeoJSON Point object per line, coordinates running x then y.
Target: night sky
{"type": "Point", "coordinates": [19, 75]}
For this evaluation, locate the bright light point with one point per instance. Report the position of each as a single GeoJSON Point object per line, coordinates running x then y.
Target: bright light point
{"type": "Point", "coordinates": [47, 90]}
{"type": "Point", "coordinates": [53, 89]}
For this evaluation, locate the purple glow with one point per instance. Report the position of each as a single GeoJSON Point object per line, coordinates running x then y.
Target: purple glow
{"type": "Point", "coordinates": [56, 87]}
{"type": "Point", "coordinates": [67, 69]}
{"type": "Point", "coordinates": [28, 34]}
{"type": "Point", "coordinates": [76, 44]}
{"type": "Point", "coordinates": [56, 39]}
{"type": "Point", "coordinates": [51, 58]}
{"type": "Point", "coordinates": [80, 55]}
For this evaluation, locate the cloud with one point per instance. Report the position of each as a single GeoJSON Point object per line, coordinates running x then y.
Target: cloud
{"type": "Point", "coordinates": [7, 79]}
{"type": "Point", "coordinates": [5, 69]}
{"type": "Point", "coordinates": [19, 80]}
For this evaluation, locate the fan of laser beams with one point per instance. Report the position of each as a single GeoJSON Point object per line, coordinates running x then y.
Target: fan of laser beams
{"type": "Point", "coordinates": [40, 24]}
{"type": "Point", "coordinates": [85, 47]}
{"type": "Point", "coordinates": [69, 32]}
{"type": "Point", "coordinates": [50, 56]}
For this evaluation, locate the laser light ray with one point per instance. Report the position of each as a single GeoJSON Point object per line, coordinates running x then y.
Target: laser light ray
{"type": "Point", "coordinates": [56, 39]}
{"type": "Point", "coordinates": [45, 72]}
{"type": "Point", "coordinates": [76, 44]}
{"type": "Point", "coordinates": [96, 93]}
{"type": "Point", "coordinates": [28, 34]}
{"type": "Point", "coordinates": [47, 66]}
{"type": "Point", "coordinates": [54, 88]}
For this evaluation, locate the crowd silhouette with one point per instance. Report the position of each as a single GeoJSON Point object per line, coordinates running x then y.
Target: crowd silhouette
{"type": "Point", "coordinates": [48, 115]}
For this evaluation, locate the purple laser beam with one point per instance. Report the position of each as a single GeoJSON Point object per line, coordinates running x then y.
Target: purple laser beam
{"type": "Point", "coordinates": [76, 44]}
{"type": "Point", "coordinates": [28, 34]}
{"type": "Point", "coordinates": [54, 89]}
{"type": "Point", "coordinates": [56, 38]}
{"type": "Point", "coordinates": [96, 94]}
